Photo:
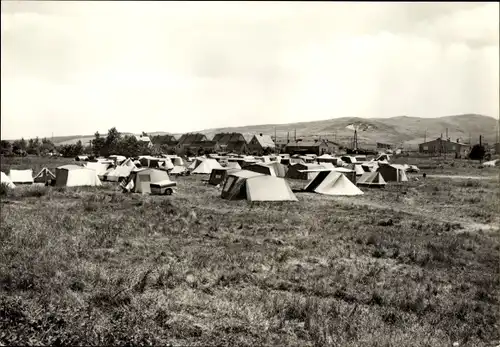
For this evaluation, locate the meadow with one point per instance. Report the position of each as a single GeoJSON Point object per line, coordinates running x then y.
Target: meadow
{"type": "Point", "coordinates": [412, 264]}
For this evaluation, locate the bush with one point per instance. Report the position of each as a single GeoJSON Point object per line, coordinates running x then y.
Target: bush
{"type": "Point", "coordinates": [477, 152]}
{"type": "Point", "coordinates": [4, 189]}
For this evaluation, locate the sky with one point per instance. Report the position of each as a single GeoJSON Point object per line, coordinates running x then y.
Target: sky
{"type": "Point", "coordinates": [73, 68]}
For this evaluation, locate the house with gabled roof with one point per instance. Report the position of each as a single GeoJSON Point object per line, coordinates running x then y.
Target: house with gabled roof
{"type": "Point", "coordinates": [231, 142]}
{"type": "Point", "coordinates": [260, 143]}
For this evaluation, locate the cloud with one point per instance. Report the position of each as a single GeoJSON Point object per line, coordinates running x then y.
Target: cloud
{"type": "Point", "coordinates": [78, 67]}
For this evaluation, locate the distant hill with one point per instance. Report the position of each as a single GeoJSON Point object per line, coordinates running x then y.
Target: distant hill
{"type": "Point", "coordinates": [395, 130]}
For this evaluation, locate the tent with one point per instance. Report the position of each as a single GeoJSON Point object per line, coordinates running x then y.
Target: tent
{"type": "Point", "coordinates": [178, 169]}
{"type": "Point", "coordinates": [359, 170]}
{"type": "Point", "coordinates": [177, 161]}
{"type": "Point", "coordinates": [255, 186]}
{"type": "Point", "coordinates": [118, 173]}
{"type": "Point", "coordinates": [350, 174]}
{"type": "Point", "coordinates": [233, 165]}
{"type": "Point", "coordinates": [99, 168]}
{"type": "Point", "coordinates": [21, 176]}
{"type": "Point", "coordinates": [44, 176]}
{"type": "Point", "coordinates": [219, 175]}
{"type": "Point", "coordinates": [303, 171]}
{"type": "Point", "coordinates": [139, 180]}
{"type": "Point", "coordinates": [4, 179]}
{"type": "Point", "coordinates": [73, 176]}
{"type": "Point", "coordinates": [117, 158]}
{"type": "Point", "coordinates": [269, 188]}
{"type": "Point", "coordinates": [348, 159]}
{"type": "Point", "coordinates": [332, 183]}
{"type": "Point", "coordinates": [392, 173]}
{"type": "Point", "coordinates": [261, 168]}
{"type": "Point", "coordinates": [372, 179]}
{"type": "Point", "coordinates": [206, 166]}
{"type": "Point", "coordinates": [195, 163]}
{"type": "Point", "coordinates": [326, 158]}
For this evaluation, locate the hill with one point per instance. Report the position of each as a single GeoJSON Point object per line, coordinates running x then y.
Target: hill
{"type": "Point", "coordinates": [396, 130]}
{"type": "Point", "coordinates": [408, 130]}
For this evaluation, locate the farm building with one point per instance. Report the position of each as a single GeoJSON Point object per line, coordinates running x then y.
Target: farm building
{"type": "Point", "coordinates": [318, 147]}
{"type": "Point", "coordinates": [231, 142]}
{"type": "Point", "coordinates": [259, 144]}
{"type": "Point", "coordinates": [444, 146]}
{"type": "Point", "coordinates": [195, 142]}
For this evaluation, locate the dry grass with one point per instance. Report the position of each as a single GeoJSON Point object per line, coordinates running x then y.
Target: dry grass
{"type": "Point", "coordinates": [396, 267]}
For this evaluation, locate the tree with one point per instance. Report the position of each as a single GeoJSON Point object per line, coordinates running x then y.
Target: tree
{"type": "Point", "coordinates": [19, 147]}
{"type": "Point", "coordinates": [98, 144]}
{"type": "Point", "coordinates": [47, 146]}
{"type": "Point", "coordinates": [5, 148]}
{"type": "Point", "coordinates": [129, 146]}
{"type": "Point", "coordinates": [477, 152]}
{"type": "Point", "coordinates": [144, 133]}
{"type": "Point", "coordinates": [112, 141]}
{"type": "Point", "coordinates": [78, 148]}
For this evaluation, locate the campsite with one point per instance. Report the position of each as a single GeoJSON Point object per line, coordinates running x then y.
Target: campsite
{"type": "Point", "coordinates": [411, 263]}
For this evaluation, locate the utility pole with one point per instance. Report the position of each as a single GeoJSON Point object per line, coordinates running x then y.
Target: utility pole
{"type": "Point", "coordinates": [446, 134]}
{"type": "Point", "coordinates": [425, 136]}
{"type": "Point", "coordinates": [295, 135]}
{"type": "Point", "coordinates": [287, 137]}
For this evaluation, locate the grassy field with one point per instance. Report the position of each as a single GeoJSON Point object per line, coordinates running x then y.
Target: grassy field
{"type": "Point", "coordinates": [409, 265]}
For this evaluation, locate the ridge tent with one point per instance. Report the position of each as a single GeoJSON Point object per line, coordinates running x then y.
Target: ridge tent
{"type": "Point", "coordinates": [4, 179]}
{"type": "Point", "coordinates": [100, 168]}
{"type": "Point", "coordinates": [140, 180]}
{"type": "Point", "coordinates": [178, 169]}
{"type": "Point", "coordinates": [219, 175]}
{"type": "Point", "coordinates": [393, 172]}
{"type": "Point", "coordinates": [177, 161]}
{"type": "Point", "coordinates": [74, 176]}
{"type": "Point", "coordinates": [195, 163]}
{"type": "Point", "coordinates": [303, 171]}
{"type": "Point", "coordinates": [206, 166]}
{"type": "Point", "coordinates": [44, 176]}
{"type": "Point", "coordinates": [332, 183]}
{"type": "Point", "coordinates": [21, 176]}
{"type": "Point", "coordinates": [357, 168]}
{"type": "Point", "coordinates": [269, 188]}
{"type": "Point", "coordinates": [372, 179]}
{"type": "Point", "coordinates": [118, 173]}
{"type": "Point", "coordinates": [261, 168]}
{"type": "Point", "coordinates": [350, 174]}
{"type": "Point", "coordinates": [233, 165]}
{"type": "Point", "coordinates": [118, 159]}
{"type": "Point", "coordinates": [255, 186]}
{"type": "Point", "coordinates": [280, 169]}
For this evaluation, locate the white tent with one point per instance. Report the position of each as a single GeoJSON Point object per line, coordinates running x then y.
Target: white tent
{"type": "Point", "coordinates": [74, 176]}
{"type": "Point", "coordinates": [269, 188]}
{"type": "Point", "coordinates": [120, 172]}
{"type": "Point", "coordinates": [4, 179]}
{"type": "Point", "coordinates": [255, 186]}
{"type": "Point", "coordinates": [99, 168]}
{"type": "Point", "coordinates": [206, 166]}
{"type": "Point", "coordinates": [21, 176]}
{"type": "Point", "coordinates": [140, 180]}
{"type": "Point", "coordinates": [178, 169]}
{"type": "Point", "coordinates": [332, 183]}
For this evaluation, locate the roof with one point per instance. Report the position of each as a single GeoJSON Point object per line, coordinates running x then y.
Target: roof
{"type": "Point", "coordinates": [265, 140]}
{"type": "Point", "coordinates": [202, 144]}
{"type": "Point", "coordinates": [187, 139]}
{"type": "Point", "coordinates": [443, 140]}
{"type": "Point", "coordinates": [142, 138]}
{"type": "Point", "coordinates": [246, 174]}
{"type": "Point", "coordinates": [304, 144]}
{"type": "Point", "coordinates": [226, 138]}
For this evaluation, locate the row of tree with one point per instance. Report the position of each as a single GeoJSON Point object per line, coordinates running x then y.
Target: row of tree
{"type": "Point", "coordinates": [22, 147]}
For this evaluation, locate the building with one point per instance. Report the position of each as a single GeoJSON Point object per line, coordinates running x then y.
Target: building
{"type": "Point", "coordinates": [144, 139]}
{"type": "Point", "coordinates": [439, 146]}
{"type": "Point", "coordinates": [318, 147]}
{"type": "Point", "coordinates": [260, 144]}
{"type": "Point", "coordinates": [231, 142]}
{"type": "Point", "coordinates": [189, 141]}
{"type": "Point", "coordinates": [383, 145]}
